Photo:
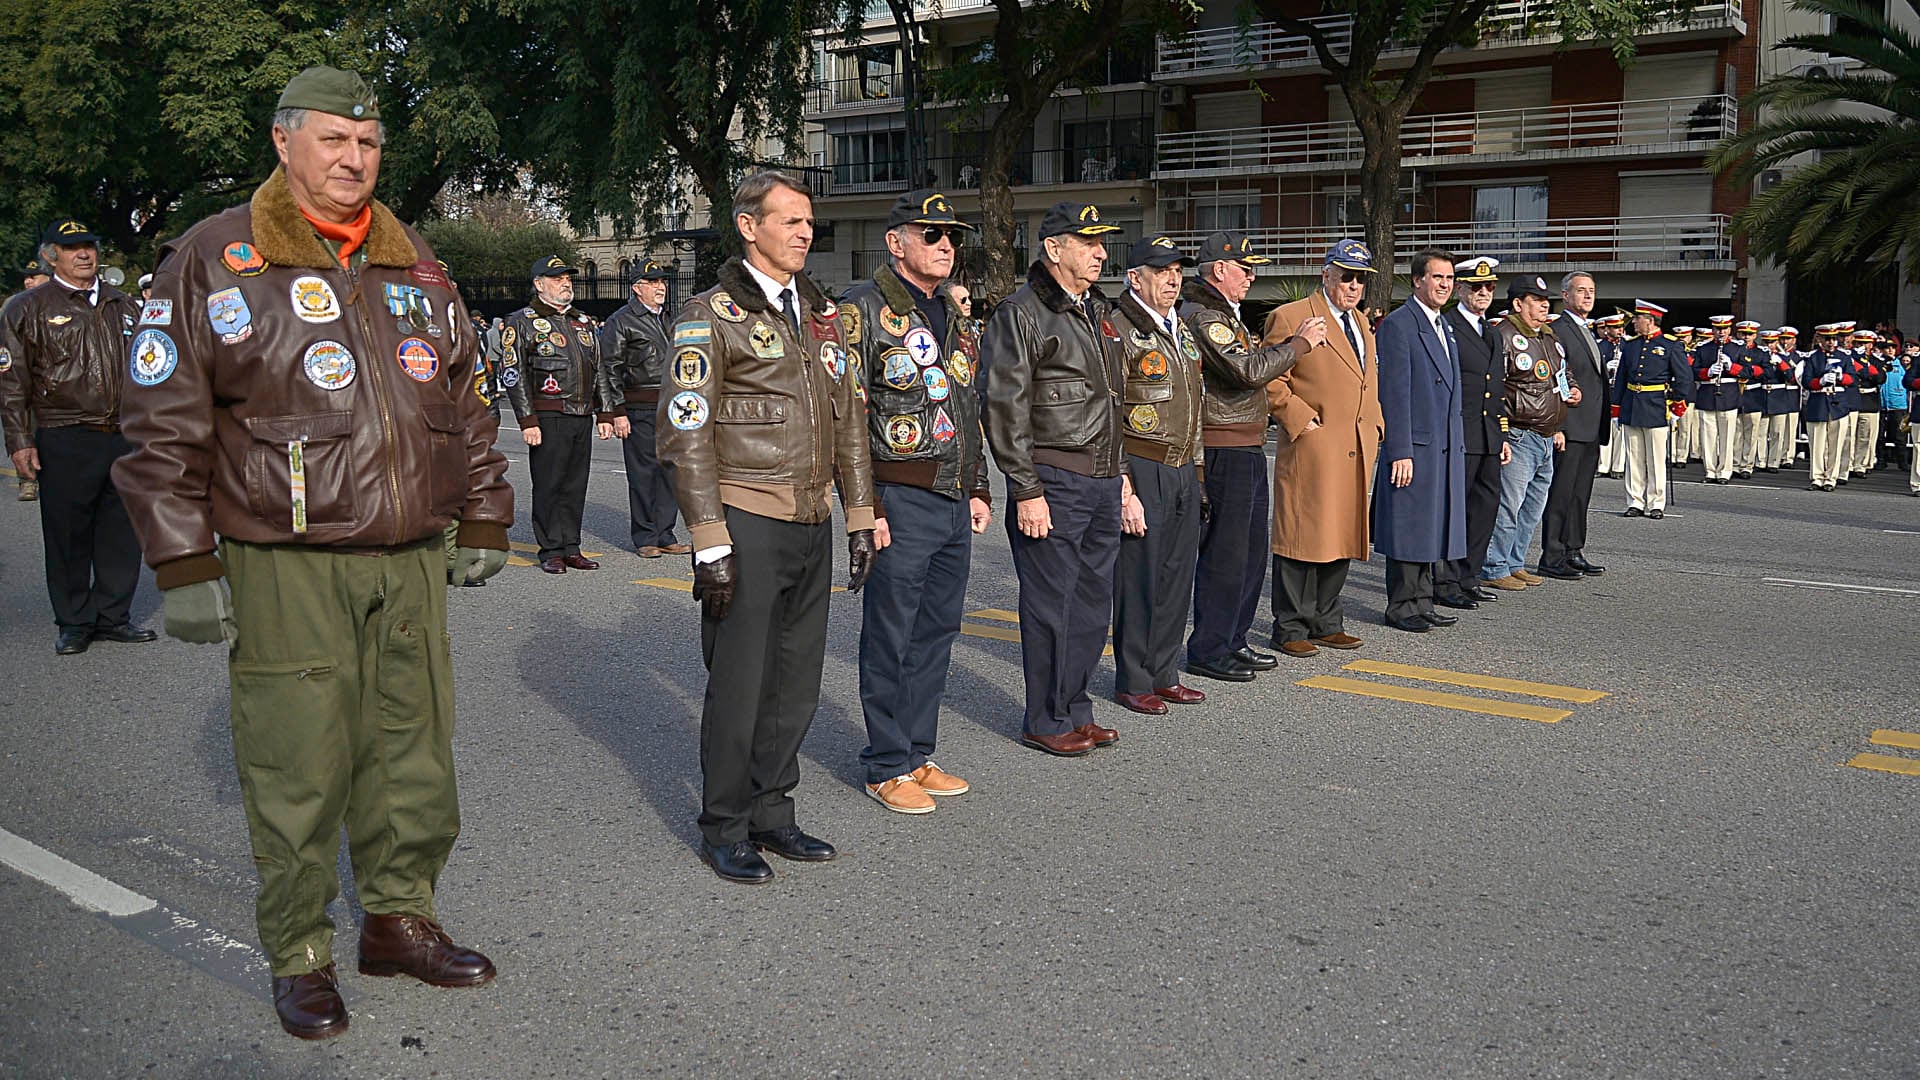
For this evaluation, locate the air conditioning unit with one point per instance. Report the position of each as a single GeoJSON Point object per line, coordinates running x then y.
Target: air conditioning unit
{"type": "Point", "coordinates": [1816, 69]}
{"type": "Point", "coordinates": [1769, 178]}
{"type": "Point", "coordinates": [1172, 97]}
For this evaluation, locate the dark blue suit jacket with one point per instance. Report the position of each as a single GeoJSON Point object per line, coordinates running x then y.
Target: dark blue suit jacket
{"type": "Point", "coordinates": [1426, 521]}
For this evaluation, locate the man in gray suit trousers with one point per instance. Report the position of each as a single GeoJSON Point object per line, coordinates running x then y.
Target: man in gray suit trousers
{"type": "Point", "coordinates": [1564, 527]}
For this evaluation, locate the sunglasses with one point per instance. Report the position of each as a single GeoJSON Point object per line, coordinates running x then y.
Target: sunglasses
{"type": "Point", "coordinates": [1479, 286]}
{"type": "Point", "coordinates": [933, 234]}
{"type": "Point", "coordinates": [1348, 277]}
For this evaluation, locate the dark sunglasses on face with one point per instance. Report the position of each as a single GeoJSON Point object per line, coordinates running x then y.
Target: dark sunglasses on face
{"type": "Point", "coordinates": [1348, 277]}
{"type": "Point", "coordinates": [1479, 286]}
{"type": "Point", "coordinates": [933, 234]}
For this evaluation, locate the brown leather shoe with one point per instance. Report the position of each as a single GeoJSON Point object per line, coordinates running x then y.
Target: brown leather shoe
{"type": "Point", "coordinates": [1180, 695]}
{"type": "Point", "coordinates": [1339, 641]}
{"type": "Point", "coordinates": [1529, 577]}
{"type": "Point", "coordinates": [677, 549]}
{"type": "Point", "coordinates": [555, 565]}
{"type": "Point", "coordinates": [1510, 583]}
{"type": "Point", "coordinates": [1298, 648]}
{"type": "Point", "coordinates": [1069, 744]}
{"type": "Point", "coordinates": [1101, 736]}
{"type": "Point", "coordinates": [649, 551]}
{"type": "Point", "coordinates": [1148, 704]}
{"type": "Point", "coordinates": [580, 562]}
{"type": "Point", "coordinates": [935, 780]}
{"type": "Point", "coordinates": [416, 946]}
{"type": "Point", "coordinates": [309, 1005]}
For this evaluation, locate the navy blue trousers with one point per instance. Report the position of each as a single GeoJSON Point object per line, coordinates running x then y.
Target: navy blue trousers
{"type": "Point", "coordinates": [910, 615]}
{"type": "Point", "coordinates": [1066, 595]}
{"type": "Point", "coordinates": [92, 554]}
{"type": "Point", "coordinates": [650, 501]}
{"type": "Point", "coordinates": [1233, 553]}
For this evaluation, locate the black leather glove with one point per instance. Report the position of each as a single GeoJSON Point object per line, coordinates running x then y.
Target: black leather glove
{"type": "Point", "coordinates": [860, 552]}
{"type": "Point", "coordinates": [713, 586]}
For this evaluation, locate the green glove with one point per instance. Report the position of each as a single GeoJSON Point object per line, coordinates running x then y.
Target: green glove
{"type": "Point", "coordinates": [481, 563]}
{"type": "Point", "coordinates": [201, 613]}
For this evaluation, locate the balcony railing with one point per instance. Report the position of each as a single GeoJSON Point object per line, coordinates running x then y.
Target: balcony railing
{"type": "Point", "coordinates": [878, 89]}
{"type": "Point", "coordinates": [1593, 128]}
{"type": "Point", "coordinates": [1265, 46]}
{"type": "Point", "coordinates": [1119, 163]}
{"type": "Point", "coordinates": [1685, 238]}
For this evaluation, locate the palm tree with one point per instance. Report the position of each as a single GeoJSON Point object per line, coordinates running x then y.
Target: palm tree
{"type": "Point", "coordinates": [1856, 199]}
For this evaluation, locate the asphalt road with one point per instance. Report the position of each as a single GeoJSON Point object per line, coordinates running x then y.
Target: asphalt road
{"type": "Point", "coordinates": [1681, 878]}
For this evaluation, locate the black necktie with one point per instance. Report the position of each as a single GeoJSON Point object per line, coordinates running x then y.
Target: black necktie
{"type": "Point", "coordinates": [1353, 335]}
{"type": "Point", "coordinates": [793, 317]}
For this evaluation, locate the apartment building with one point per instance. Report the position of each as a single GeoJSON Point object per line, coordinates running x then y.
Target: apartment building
{"type": "Point", "coordinates": [1546, 158]}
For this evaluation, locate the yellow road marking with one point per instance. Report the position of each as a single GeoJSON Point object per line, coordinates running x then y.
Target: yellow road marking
{"type": "Point", "coordinates": [996, 614]}
{"type": "Point", "coordinates": [520, 560]}
{"type": "Point", "coordinates": [1886, 763]}
{"type": "Point", "coordinates": [6, 471]}
{"type": "Point", "coordinates": [1905, 740]}
{"type": "Point", "coordinates": [1436, 697]}
{"type": "Point", "coordinates": [1483, 682]}
{"type": "Point", "coordinates": [1001, 633]}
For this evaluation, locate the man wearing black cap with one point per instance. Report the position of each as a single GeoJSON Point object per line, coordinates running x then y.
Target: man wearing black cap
{"type": "Point", "coordinates": [63, 371]}
{"type": "Point", "coordinates": [1483, 416]}
{"type": "Point", "coordinates": [1051, 353]}
{"type": "Point", "coordinates": [563, 395]}
{"type": "Point", "coordinates": [305, 426]}
{"type": "Point", "coordinates": [916, 357]}
{"type": "Point", "coordinates": [1232, 563]}
{"type": "Point", "coordinates": [1160, 409]}
{"type": "Point", "coordinates": [634, 344]}
{"type": "Point", "coordinates": [1539, 390]}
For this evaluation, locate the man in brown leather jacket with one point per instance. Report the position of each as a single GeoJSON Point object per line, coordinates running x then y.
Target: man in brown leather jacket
{"type": "Point", "coordinates": [916, 356]}
{"type": "Point", "coordinates": [63, 369]}
{"type": "Point", "coordinates": [760, 420]}
{"type": "Point", "coordinates": [1539, 389]}
{"type": "Point", "coordinates": [634, 347]}
{"type": "Point", "coordinates": [305, 424]}
{"type": "Point", "coordinates": [1232, 563]}
{"type": "Point", "coordinates": [1160, 406]}
{"type": "Point", "coordinates": [1052, 356]}
{"type": "Point", "coordinates": [564, 395]}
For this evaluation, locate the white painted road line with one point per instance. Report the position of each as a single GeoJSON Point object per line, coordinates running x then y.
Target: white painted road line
{"type": "Point", "coordinates": [80, 885]}
{"type": "Point", "coordinates": [1901, 532]}
{"type": "Point", "coordinates": [1794, 583]}
{"type": "Point", "coordinates": [232, 961]}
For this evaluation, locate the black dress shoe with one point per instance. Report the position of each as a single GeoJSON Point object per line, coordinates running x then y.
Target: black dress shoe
{"type": "Point", "coordinates": [789, 842]}
{"type": "Point", "coordinates": [72, 642]}
{"type": "Point", "coordinates": [1460, 601]}
{"type": "Point", "coordinates": [1438, 619]}
{"type": "Point", "coordinates": [309, 1005]}
{"type": "Point", "coordinates": [1482, 595]}
{"type": "Point", "coordinates": [124, 633]}
{"type": "Point", "coordinates": [1225, 669]}
{"type": "Point", "coordinates": [1580, 563]}
{"type": "Point", "coordinates": [1561, 572]}
{"type": "Point", "coordinates": [736, 862]}
{"type": "Point", "coordinates": [1256, 660]}
{"type": "Point", "coordinates": [1634, 511]}
{"type": "Point", "coordinates": [1414, 625]}
{"type": "Point", "coordinates": [1656, 514]}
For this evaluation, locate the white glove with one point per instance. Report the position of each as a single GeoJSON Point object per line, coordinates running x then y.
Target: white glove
{"type": "Point", "coordinates": [1831, 378]}
{"type": "Point", "coordinates": [1718, 369]}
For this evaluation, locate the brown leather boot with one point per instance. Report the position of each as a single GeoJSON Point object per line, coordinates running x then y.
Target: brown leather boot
{"type": "Point", "coordinates": [416, 946]}
{"type": "Point", "coordinates": [309, 1005]}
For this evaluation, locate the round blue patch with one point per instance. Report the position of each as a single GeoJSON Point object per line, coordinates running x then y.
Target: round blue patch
{"type": "Point", "coordinates": [152, 358]}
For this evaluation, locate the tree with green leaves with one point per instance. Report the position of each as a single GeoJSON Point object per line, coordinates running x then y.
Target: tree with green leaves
{"type": "Point", "coordinates": [1380, 101]}
{"type": "Point", "coordinates": [1853, 198]}
{"type": "Point", "coordinates": [1037, 49]}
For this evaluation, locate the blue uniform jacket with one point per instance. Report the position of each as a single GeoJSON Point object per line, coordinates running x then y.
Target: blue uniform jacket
{"type": "Point", "coordinates": [1826, 403]}
{"type": "Point", "coordinates": [1653, 370]}
{"type": "Point", "coordinates": [1426, 521]}
{"type": "Point", "coordinates": [1719, 394]}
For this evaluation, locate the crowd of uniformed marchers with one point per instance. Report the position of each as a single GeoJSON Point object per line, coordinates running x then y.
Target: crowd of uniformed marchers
{"type": "Point", "coordinates": [295, 423]}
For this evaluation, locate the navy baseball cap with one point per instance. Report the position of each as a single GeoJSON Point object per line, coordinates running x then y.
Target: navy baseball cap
{"type": "Point", "coordinates": [1157, 250]}
{"type": "Point", "coordinates": [551, 266]}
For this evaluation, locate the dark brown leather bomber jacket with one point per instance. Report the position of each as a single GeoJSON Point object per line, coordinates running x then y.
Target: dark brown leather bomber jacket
{"type": "Point", "coordinates": [276, 398]}
{"type": "Point", "coordinates": [1235, 368]}
{"type": "Point", "coordinates": [63, 361]}
{"type": "Point", "coordinates": [757, 418]}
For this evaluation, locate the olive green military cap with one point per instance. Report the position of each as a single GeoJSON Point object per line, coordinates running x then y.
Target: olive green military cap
{"type": "Point", "coordinates": [330, 90]}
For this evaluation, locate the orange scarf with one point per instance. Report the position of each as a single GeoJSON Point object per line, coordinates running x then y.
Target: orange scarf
{"type": "Point", "coordinates": [349, 236]}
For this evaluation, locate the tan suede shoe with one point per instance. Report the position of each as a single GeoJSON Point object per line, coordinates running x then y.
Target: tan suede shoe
{"type": "Point", "coordinates": [902, 795]}
{"type": "Point", "coordinates": [937, 781]}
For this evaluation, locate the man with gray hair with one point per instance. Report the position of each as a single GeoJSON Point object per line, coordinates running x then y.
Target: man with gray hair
{"type": "Point", "coordinates": [63, 372]}
{"type": "Point", "coordinates": [1587, 427]}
